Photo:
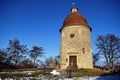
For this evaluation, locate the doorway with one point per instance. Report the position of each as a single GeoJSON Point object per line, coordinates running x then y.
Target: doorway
{"type": "Point", "coordinates": [73, 61]}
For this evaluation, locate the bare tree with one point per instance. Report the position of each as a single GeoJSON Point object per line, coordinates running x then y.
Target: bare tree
{"type": "Point", "coordinates": [109, 47]}
{"type": "Point", "coordinates": [49, 60]}
{"type": "Point", "coordinates": [16, 55]}
{"type": "Point", "coordinates": [27, 63]}
{"type": "Point", "coordinates": [95, 58]}
{"type": "Point", "coordinates": [35, 53]}
{"type": "Point", "coordinates": [57, 59]}
{"type": "Point", "coordinates": [16, 51]}
{"type": "Point", "coordinates": [2, 59]}
{"type": "Point", "coordinates": [2, 56]}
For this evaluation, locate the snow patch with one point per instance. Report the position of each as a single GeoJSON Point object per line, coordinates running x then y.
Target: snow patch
{"type": "Point", "coordinates": [108, 77]}
{"type": "Point", "coordinates": [54, 72]}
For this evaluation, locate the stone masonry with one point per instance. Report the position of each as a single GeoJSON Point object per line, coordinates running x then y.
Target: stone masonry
{"type": "Point", "coordinates": [76, 47]}
{"type": "Point", "coordinates": [79, 45]}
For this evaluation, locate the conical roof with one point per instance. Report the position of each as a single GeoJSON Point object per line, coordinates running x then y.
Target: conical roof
{"type": "Point", "coordinates": [74, 18]}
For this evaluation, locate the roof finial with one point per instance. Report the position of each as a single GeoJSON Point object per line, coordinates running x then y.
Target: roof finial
{"type": "Point", "coordinates": [74, 8]}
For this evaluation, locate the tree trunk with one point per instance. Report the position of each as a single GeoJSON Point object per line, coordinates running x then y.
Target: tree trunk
{"type": "Point", "coordinates": [107, 62]}
{"type": "Point", "coordinates": [112, 60]}
{"type": "Point", "coordinates": [34, 62]}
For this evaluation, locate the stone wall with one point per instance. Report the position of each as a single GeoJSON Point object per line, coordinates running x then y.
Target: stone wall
{"type": "Point", "coordinates": [79, 45]}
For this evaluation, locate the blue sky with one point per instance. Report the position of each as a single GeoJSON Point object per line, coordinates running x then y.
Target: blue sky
{"type": "Point", "coordinates": [37, 22]}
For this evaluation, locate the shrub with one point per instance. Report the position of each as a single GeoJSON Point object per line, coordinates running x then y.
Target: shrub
{"type": "Point", "coordinates": [71, 68]}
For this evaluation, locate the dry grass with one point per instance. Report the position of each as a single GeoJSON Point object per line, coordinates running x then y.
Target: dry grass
{"type": "Point", "coordinates": [90, 72]}
{"type": "Point", "coordinates": [86, 72]}
{"type": "Point", "coordinates": [42, 71]}
{"type": "Point", "coordinates": [11, 73]}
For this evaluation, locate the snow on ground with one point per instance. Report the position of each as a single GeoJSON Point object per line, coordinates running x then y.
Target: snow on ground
{"type": "Point", "coordinates": [109, 77]}
{"type": "Point", "coordinates": [54, 72]}
{"type": "Point", "coordinates": [22, 72]}
{"type": "Point", "coordinates": [56, 76]}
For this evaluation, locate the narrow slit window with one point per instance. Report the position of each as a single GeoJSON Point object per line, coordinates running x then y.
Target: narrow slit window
{"type": "Point", "coordinates": [83, 50]}
{"type": "Point", "coordinates": [66, 60]}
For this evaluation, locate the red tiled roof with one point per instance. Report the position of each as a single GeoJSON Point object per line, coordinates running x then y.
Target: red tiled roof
{"type": "Point", "coordinates": [74, 18]}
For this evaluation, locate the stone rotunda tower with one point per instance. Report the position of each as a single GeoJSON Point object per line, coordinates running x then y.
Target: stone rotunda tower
{"type": "Point", "coordinates": [75, 41]}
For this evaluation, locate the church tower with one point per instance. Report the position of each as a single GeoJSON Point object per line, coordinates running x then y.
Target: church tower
{"type": "Point", "coordinates": [75, 41]}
